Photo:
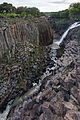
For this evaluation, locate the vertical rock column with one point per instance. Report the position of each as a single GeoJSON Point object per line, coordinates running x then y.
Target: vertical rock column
{"type": "Point", "coordinates": [78, 64]}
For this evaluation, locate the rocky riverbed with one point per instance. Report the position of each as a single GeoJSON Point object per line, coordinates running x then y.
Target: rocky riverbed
{"type": "Point", "coordinates": [59, 98]}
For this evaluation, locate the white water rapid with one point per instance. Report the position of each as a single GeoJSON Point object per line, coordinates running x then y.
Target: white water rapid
{"type": "Point", "coordinates": [3, 116]}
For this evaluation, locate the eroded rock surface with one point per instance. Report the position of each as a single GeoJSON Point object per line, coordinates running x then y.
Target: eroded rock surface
{"type": "Point", "coordinates": [37, 31]}
{"type": "Point", "coordinates": [59, 98]}
{"type": "Point", "coordinates": [22, 59]}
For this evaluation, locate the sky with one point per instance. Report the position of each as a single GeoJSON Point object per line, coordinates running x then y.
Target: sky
{"type": "Point", "coordinates": [43, 5]}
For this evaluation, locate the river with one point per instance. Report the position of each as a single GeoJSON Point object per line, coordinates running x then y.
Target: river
{"type": "Point", "coordinates": [36, 87]}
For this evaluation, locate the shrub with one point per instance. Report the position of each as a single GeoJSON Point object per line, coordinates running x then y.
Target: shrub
{"type": "Point", "coordinates": [12, 15]}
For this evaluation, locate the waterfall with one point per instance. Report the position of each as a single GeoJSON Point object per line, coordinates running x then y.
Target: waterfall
{"type": "Point", "coordinates": [76, 24]}
{"type": "Point", "coordinates": [3, 116]}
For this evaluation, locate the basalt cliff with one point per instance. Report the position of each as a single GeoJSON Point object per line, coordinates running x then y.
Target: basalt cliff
{"type": "Point", "coordinates": [23, 55]}
{"type": "Point", "coordinates": [59, 98]}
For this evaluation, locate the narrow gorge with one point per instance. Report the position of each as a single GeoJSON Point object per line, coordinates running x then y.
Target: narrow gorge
{"type": "Point", "coordinates": [40, 71]}
{"type": "Point", "coordinates": [23, 56]}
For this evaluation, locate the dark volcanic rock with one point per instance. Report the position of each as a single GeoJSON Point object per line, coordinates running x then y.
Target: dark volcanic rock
{"type": "Point", "coordinates": [45, 33]}
{"type": "Point", "coordinates": [22, 57]}
{"type": "Point", "coordinates": [59, 98]}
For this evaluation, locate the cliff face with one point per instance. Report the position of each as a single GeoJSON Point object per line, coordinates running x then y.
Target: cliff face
{"type": "Point", "coordinates": [59, 98]}
{"type": "Point", "coordinates": [45, 33]}
{"type": "Point", "coordinates": [37, 32]}
{"type": "Point", "coordinates": [23, 57]}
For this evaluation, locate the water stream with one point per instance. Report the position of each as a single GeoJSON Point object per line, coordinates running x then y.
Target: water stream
{"type": "Point", "coordinates": [36, 87]}
{"type": "Point", "coordinates": [76, 24]}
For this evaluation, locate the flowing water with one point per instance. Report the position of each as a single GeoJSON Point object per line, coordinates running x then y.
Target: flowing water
{"type": "Point", "coordinates": [76, 24]}
{"type": "Point", "coordinates": [36, 87]}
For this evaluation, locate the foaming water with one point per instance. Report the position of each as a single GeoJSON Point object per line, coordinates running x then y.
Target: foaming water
{"type": "Point", "coordinates": [36, 87]}
{"type": "Point", "coordinates": [76, 24]}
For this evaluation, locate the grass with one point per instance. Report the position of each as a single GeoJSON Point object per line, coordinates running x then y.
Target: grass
{"type": "Point", "coordinates": [10, 15]}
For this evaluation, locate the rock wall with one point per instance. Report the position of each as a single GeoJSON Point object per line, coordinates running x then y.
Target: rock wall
{"type": "Point", "coordinates": [59, 25]}
{"type": "Point", "coordinates": [59, 99]}
{"type": "Point", "coordinates": [37, 31]}
{"type": "Point", "coordinates": [22, 57]}
{"type": "Point", "coordinates": [45, 33]}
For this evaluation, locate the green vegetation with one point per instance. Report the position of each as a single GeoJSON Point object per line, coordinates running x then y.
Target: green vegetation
{"type": "Point", "coordinates": [74, 10]}
{"type": "Point", "coordinates": [8, 10]}
{"type": "Point", "coordinates": [72, 13]}
{"type": "Point", "coordinates": [11, 15]}
{"type": "Point", "coordinates": [60, 14]}
{"type": "Point", "coordinates": [33, 11]}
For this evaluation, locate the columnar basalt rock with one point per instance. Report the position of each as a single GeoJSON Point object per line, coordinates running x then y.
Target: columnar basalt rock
{"type": "Point", "coordinates": [22, 58]}
{"type": "Point", "coordinates": [45, 32]}
{"type": "Point", "coordinates": [59, 98]}
{"type": "Point", "coordinates": [37, 31]}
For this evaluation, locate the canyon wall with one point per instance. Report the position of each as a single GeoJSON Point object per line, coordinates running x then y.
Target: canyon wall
{"type": "Point", "coordinates": [36, 31]}
{"type": "Point", "coordinates": [23, 58]}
